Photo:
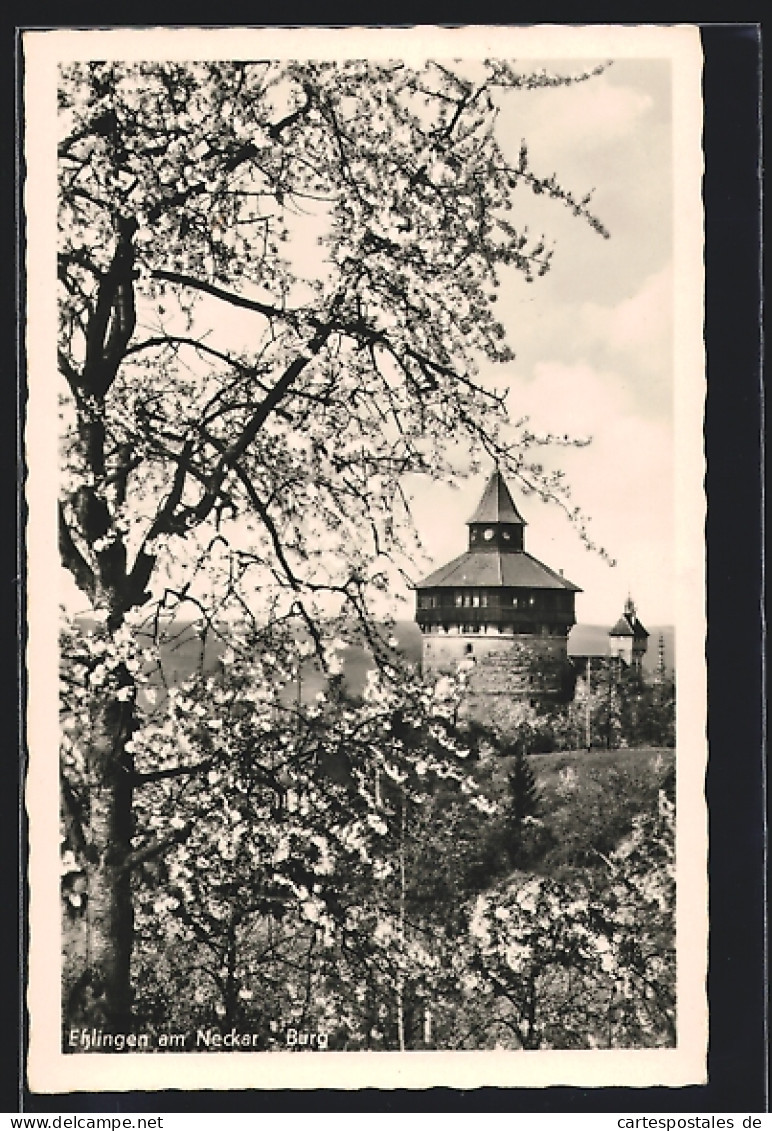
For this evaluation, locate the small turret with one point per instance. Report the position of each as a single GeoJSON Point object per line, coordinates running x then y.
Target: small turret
{"type": "Point", "coordinates": [628, 639]}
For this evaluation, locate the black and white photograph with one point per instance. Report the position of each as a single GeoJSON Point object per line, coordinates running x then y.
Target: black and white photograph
{"type": "Point", "coordinates": [365, 557]}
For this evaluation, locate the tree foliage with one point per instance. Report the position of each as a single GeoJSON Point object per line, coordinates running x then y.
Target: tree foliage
{"type": "Point", "coordinates": [622, 707]}
{"type": "Point", "coordinates": [357, 868]}
{"type": "Point", "coordinates": [277, 290]}
{"type": "Point", "coordinates": [582, 962]}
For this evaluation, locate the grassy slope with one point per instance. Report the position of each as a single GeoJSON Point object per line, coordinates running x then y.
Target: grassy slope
{"type": "Point", "coordinates": [588, 801]}
{"type": "Point", "coordinates": [637, 763]}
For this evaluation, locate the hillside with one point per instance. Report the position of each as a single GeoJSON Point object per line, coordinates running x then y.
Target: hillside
{"type": "Point", "coordinates": [588, 801]}
{"type": "Point", "coordinates": [185, 652]}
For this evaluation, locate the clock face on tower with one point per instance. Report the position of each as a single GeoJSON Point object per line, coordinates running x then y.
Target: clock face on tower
{"type": "Point", "coordinates": [488, 533]}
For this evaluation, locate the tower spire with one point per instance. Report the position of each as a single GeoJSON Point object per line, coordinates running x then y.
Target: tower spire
{"type": "Point", "coordinates": [496, 523]}
{"type": "Point", "coordinates": [496, 504]}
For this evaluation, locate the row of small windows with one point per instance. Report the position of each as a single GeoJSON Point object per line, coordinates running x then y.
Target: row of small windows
{"type": "Point", "coordinates": [471, 600]}
{"type": "Point", "coordinates": [479, 599]}
{"type": "Point", "coordinates": [489, 535]}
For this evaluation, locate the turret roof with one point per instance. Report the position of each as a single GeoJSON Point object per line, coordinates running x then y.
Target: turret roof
{"type": "Point", "coordinates": [629, 626]}
{"type": "Point", "coordinates": [496, 503]}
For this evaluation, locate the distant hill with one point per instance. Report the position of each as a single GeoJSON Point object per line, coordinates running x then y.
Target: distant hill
{"type": "Point", "coordinates": [185, 653]}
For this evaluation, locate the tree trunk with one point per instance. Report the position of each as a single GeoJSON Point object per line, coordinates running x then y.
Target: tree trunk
{"type": "Point", "coordinates": [101, 996]}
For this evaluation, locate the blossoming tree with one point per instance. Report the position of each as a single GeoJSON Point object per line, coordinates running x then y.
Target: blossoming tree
{"type": "Point", "coordinates": [277, 290]}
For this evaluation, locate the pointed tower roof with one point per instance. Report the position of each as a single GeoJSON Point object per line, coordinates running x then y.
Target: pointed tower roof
{"type": "Point", "coordinates": [628, 624]}
{"type": "Point", "coordinates": [496, 503]}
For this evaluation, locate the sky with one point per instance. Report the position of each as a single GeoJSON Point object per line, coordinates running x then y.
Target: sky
{"type": "Point", "coordinates": [593, 341]}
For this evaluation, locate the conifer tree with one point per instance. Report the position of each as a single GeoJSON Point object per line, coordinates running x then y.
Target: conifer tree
{"type": "Point", "coordinates": [522, 801]}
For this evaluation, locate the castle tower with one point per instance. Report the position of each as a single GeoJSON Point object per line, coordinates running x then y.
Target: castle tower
{"type": "Point", "coordinates": [628, 639]}
{"type": "Point", "coordinates": [495, 599]}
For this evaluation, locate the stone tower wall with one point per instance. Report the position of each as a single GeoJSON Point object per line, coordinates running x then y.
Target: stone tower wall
{"type": "Point", "coordinates": [441, 652]}
{"type": "Point", "coordinates": [502, 683]}
{"type": "Point", "coordinates": [504, 673]}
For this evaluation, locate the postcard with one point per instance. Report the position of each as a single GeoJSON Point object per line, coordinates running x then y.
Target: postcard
{"type": "Point", "coordinates": [366, 561]}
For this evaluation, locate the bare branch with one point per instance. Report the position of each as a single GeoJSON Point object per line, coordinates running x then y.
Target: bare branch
{"type": "Point", "coordinates": [171, 772]}
{"type": "Point", "coordinates": [266, 309]}
{"type": "Point", "coordinates": [157, 848]}
{"type": "Point", "coordinates": [113, 319]}
{"type": "Point", "coordinates": [275, 131]}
